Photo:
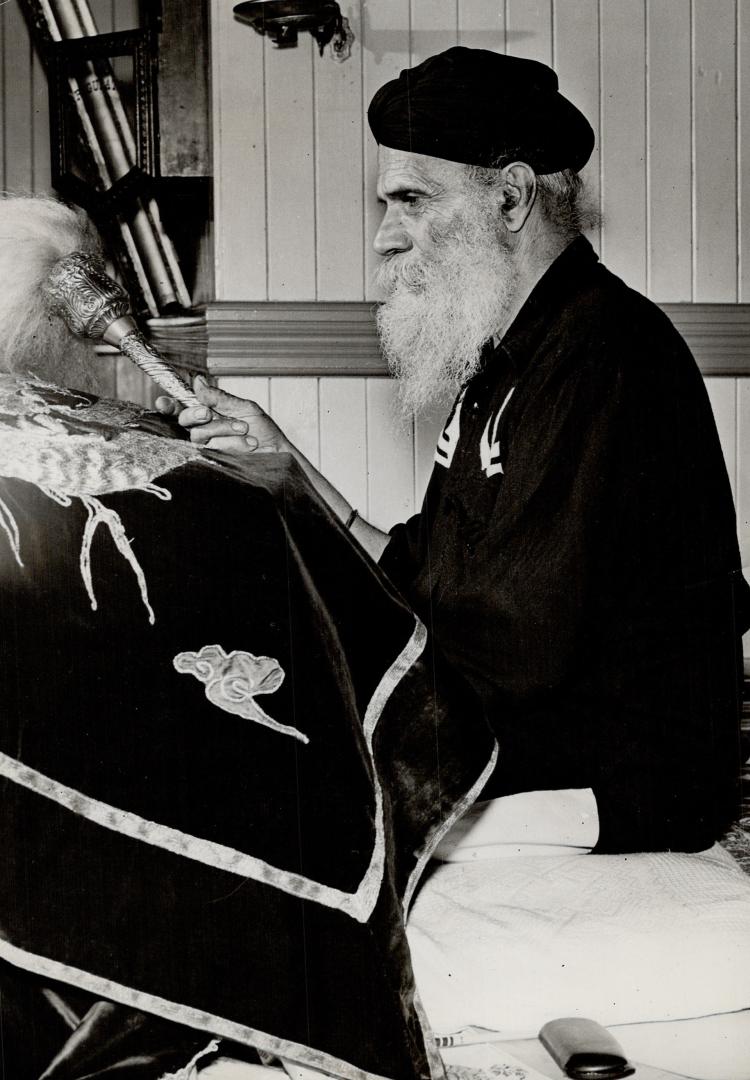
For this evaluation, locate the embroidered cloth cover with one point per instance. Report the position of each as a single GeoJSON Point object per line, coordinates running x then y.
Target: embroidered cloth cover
{"type": "Point", "coordinates": [228, 748]}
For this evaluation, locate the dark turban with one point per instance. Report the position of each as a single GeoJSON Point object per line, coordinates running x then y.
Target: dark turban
{"type": "Point", "coordinates": [482, 108]}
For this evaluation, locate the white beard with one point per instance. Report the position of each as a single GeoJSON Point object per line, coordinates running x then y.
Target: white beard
{"type": "Point", "coordinates": [441, 309]}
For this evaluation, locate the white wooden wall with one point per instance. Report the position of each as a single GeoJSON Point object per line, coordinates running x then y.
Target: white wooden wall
{"type": "Point", "coordinates": [660, 81]}
{"type": "Point", "coordinates": [664, 82]}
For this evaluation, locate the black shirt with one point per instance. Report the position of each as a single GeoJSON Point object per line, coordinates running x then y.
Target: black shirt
{"type": "Point", "coordinates": [576, 558]}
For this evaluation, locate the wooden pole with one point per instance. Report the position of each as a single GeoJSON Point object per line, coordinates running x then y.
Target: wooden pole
{"type": "Point", "coordinates": [101, 165]}
{"type": "Point", "coordinates": [109, 134]}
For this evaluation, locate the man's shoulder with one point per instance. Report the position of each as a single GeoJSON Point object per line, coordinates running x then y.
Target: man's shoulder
{"type": "Point", "coordinates": [620, 327]}
{"type": "Point", "coordinates": [616, 307]}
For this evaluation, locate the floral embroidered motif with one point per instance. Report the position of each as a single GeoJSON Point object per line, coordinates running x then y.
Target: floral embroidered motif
{"type": "Point", "coordinates": [233, 680]}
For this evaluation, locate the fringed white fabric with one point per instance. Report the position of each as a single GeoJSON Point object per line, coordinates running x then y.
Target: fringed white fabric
{"type": "Point", "coordinates": [81, 450]}
{"type": "Point", "coordinates": [10, 528]}
{"type": "Point", "coordinates": [98, 514]}
{"type": "Point", "coordinates": [188, 1072]}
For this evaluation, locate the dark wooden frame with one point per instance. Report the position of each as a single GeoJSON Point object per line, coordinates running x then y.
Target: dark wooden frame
{"type": "Point", "coordinates": [63, 59]}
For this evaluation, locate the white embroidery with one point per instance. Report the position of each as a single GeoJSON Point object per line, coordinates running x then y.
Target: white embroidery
{"type": "Point", "coordinates": [234, 679]}
{"type": "Point", "coordinates": [489, 446]}
{"type": "Point", "coordinates": [448, 441]}
{"type": "Point", "coordinates": [358, 905]}
{"type": "Point", "coordinates": [98, 514]}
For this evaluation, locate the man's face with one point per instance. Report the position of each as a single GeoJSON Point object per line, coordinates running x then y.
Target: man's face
{"type": "Point", "coordinates": [422, 198]}
{"type": "Point", "coordinates": [447, 273]}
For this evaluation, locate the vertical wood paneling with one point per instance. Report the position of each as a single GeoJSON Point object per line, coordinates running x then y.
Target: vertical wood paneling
{"type": "Point", "coordinates": [715, 177]}
{"type": "Point", "coordinates": [623, 139]}
{"type": "Point", "coordinates": [343, 437]}
{"type": "Point", "coordinates": [722, 394]}
{"type": "Point", "coordinates": [644, 105]}
{"type": "Point", "coordinates": [576, 41]}
{"type": "Point", "coordinates": [238, 105]}
{"type": "Point", "coordinates": [103, 12]}
{"type": "Point", "coordinates": [686, 105]}
{"type": "Point", "coordinates": [743, 134]}
{"type": "Point", "coordinates": [669, 151]}
{"type": "Point", "coordinates": [293, 404]}
{"type": "Point", "coordinates": [17, 102]}
{"type": "Point", "coordinates": [41, 172]}
{"type": "Point", "coordinates": [290, 134]}
{"type": "Point", "coordinates": [338, 173]}
{"type": "Point", "coordinates": [385, 45]}
{"type": "Point", "coordinates": [434, 27]}
{"type": "Point", "coordinates": [125, 14]}
{"type": "Point", "coordinates": [252, 387]}
{"type": "Point", "coordinates": [481, 24]}
{"type": "Point", "coordinates": [528, 29]}
{"type": "Point", "coordinates": [390, 457]}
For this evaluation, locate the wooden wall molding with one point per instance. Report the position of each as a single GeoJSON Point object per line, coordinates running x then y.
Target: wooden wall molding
{"type": "Point", "coordinates": [293, 338]}
{"type": "Point", "coordinates": [718, 335]}
{"type": "Point", "coordinates": [328, 338]}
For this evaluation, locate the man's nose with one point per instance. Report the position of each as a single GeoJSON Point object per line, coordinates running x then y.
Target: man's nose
{"type": "Point", "coordinates": [391, 236]}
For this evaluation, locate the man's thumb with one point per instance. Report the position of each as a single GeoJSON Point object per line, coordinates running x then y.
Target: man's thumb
{"type": "Point", "coordinates": [213, 396]}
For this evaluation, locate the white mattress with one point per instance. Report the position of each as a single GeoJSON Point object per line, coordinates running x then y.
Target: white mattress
{"type": "Point", "coordinates": [507, 944]}
{"type": "Point", "coordinates": [654, 946]}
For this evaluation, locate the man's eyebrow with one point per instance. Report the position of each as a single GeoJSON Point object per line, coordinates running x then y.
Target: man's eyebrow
{"type": "Point", "coordinates": [401, 191]}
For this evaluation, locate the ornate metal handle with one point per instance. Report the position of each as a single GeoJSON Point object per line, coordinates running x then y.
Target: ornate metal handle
{"type": "Point", "coordinates": [93, 305]}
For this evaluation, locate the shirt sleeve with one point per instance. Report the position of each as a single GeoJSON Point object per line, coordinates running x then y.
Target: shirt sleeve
{"type": "Point", "coordinates": [399, 558]}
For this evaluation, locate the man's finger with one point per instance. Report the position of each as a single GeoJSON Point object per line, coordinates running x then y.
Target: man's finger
{"type": "Point", "coordinates": [220, 401]}
{"type": "Point", "coordinates": [237, 444]}
{"type": "Point", "coordinates": [195, 415]}
{"type": "Point", "coordinates": [202, 432]}
{"type": "Point", "coordinates": [167, 406]}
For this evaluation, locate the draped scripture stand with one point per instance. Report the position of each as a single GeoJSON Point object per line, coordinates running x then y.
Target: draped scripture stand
{"type": "Point", "coordinates": [215, 816]}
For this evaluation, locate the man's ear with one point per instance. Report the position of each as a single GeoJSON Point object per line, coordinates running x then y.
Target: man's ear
{"type": "Point", "coordinates": [519, 193]}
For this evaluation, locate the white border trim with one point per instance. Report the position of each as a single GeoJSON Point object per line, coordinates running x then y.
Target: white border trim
{"type": "Point", "coordinates": [443, 827]}
{"type": "Point", "coordinates": [181, 1014]}
{"type": "Point", "coordinates": [192, 847]}
{"type": "Point", "coordinates": [358, 905]}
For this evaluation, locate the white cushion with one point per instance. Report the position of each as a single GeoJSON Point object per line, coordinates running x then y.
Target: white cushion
{"type": "Point", "coordinates": [560, 822]}
{"type": "Point", "coordinates": [508, 944]}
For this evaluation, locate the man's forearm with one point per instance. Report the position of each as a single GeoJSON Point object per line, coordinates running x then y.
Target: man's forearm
{"type": "Point", "coordinates": [224, 422]}
{"type": "Point", "coordinates": [372, 539]}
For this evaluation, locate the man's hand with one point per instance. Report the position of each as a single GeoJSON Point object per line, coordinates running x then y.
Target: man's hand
{"type": "Point", "coordinates": [225, 422]}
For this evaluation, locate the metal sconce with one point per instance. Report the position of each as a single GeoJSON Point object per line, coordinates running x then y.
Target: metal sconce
{"type": "Point", "coordinates": [282, 21]}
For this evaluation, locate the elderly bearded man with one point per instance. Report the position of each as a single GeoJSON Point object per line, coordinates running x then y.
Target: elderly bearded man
{"type": "Point", "coordinates": [576, 553]}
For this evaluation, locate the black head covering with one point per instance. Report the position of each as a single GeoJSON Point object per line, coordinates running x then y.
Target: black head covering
{"type": "Point", "coordinates": [482, 108]}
